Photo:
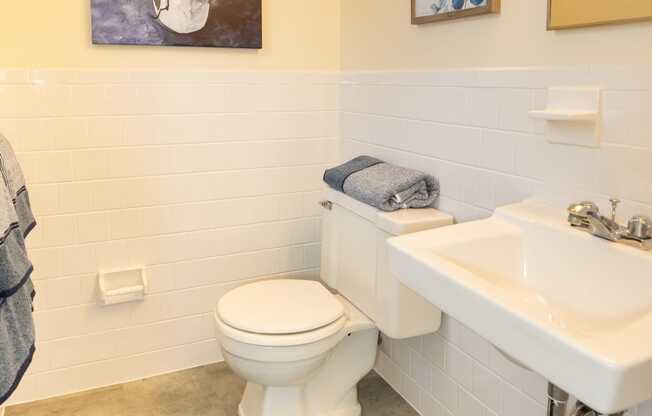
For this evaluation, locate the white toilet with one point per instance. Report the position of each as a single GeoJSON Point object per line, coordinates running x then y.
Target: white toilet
{"type": "Point", "coordinates": [301, 348]}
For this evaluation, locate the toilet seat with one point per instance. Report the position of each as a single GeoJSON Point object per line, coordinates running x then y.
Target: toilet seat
{"type": "Point", "coordinates": [282, 340]}
{"type": "Point", "coordinates": [279, 307]}
{"type": "Point", "coordinates": [311, 314]}
{"type": "Point", "coordinates": [281, 348]}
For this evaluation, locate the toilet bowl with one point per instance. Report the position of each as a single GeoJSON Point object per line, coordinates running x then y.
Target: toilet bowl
{"type": "Point", "coordinates": [303, 349]}
{"type": "Point", "coordinates": [307, 363]}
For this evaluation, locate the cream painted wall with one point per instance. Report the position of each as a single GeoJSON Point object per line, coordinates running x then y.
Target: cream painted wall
{"type": "Point", "coordinates": [376, 35]}
{"type": "Point", "coordinates": [298, 34]}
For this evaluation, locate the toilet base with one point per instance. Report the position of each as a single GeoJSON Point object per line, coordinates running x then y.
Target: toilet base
{"type": "Point", "coordinates": [287, 401]}
{"type": "Point", "coordinates": [331, 391]}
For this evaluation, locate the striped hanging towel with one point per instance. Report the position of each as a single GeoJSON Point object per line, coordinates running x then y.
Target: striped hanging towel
{"type": "Point", "coordinates": [16, 289]}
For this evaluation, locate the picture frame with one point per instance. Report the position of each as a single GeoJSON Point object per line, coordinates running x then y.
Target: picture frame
{"type": "Point", "coordinates": [598, 19]}
{"type": "Point", "coordinates": [191, 23]}
{"type": "Point", "coordinates": [418, 18]}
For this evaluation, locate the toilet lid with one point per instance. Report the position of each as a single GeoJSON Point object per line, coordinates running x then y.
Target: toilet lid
{"type": "Point", "coordinates": [279, 307]}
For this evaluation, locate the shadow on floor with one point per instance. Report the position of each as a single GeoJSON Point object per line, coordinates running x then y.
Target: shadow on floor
{"type": "Point", "coordinates": [212, 390]}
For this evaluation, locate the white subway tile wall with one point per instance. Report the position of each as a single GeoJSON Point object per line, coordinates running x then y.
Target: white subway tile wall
{"type": "Point", "coordinates": [206, 179]}
{"type": "Point", "coordinates": [211, 179]}
{"type": "Point", "coordinates": [470, 128]}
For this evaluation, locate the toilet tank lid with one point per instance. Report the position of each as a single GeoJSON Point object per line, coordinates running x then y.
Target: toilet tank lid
{"type": "Point", "coordinates": [399, 222]}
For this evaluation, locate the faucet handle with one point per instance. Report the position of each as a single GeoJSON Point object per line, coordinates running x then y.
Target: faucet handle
{"type": "Point", "coordinates": [580, 212]}
{"type": "Point", "coordinates": [614, 207]}
{"type": "Point", "coordinates": [639, 227]}
{"type": "Point", "coordinates": [583, 209]}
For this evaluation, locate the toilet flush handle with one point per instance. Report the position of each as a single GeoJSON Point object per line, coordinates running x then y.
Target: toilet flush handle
{"type": "Point", "coordinates": [326, 204]}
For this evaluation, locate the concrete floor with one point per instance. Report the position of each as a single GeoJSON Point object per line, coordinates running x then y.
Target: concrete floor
{"type": "Point", "coordinates": [211, 390]}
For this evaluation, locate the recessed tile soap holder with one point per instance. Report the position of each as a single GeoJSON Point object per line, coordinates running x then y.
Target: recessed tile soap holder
{"type": "Point", "coordinates": [572, 115]}
{"type": "Point", "coordinates": [564, 115]}
{"type": "Point", "coordinates": [122, 286]}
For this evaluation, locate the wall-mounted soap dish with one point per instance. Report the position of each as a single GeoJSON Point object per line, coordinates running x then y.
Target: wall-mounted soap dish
{"type": "Point", "coordinates": [572, 115]}
{"type": "Point", "coordinates": [122, 286]}
{"type": "Point", "coordinates": [564, 115]}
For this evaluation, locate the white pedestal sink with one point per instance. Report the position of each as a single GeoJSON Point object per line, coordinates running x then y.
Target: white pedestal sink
{"type": "Point", "coordinates": [568, 305]}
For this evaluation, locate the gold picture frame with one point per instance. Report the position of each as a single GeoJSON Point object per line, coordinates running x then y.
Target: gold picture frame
{"type": "Point", "coordinates": [492, 6]}
{"type": "Point", "coordinates": [619, 14]}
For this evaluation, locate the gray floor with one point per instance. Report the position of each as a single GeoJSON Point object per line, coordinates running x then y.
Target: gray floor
{"type": "Point", "coordinates": [212, 390]}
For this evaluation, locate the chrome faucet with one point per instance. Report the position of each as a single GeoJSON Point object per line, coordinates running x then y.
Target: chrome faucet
{"type": "Point", "coordinates": [586, 216]}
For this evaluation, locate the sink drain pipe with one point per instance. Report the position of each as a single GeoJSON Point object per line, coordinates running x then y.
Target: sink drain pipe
{"type": "Point", "coordinates": [558, 405]}
{"type": "Point", "coordinates": [557, 401]}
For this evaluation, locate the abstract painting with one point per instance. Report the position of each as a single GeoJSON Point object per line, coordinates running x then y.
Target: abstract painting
{"type": "Point", "coordinates": [426, 11]}
{"type": "Point", "coordinates": [216, 23]}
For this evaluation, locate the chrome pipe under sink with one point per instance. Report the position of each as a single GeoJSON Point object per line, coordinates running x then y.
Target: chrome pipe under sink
{"type": "Point", "coordinates": [558, 405]}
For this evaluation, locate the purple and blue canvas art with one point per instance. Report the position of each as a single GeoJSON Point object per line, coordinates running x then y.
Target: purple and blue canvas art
{"type": "Point", "coordinates": [216, 23]}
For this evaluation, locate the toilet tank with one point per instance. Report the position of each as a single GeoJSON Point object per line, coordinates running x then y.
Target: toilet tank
{"type": "Point", "coordinates": [354, 263]}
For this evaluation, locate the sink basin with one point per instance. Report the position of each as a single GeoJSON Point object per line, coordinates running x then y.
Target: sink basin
{"type": "Point", "coordinates": [568, 305]}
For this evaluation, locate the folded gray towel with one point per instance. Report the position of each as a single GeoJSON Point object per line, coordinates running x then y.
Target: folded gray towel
{"type": "Point", "coordinates": [16, 289]}
{"type": "Point", "coordinates": [336, 176]}
{"type": "Point", "coordinates": [384, 186]}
